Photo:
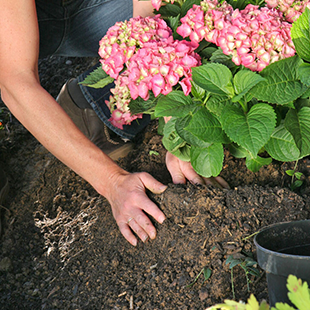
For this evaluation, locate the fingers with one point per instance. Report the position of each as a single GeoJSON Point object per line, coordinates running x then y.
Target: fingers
{"type": "Point", "coordinates": [152, 184]}
{"type": "Point", "coordinates": [222, 182]}
{"type": "Point", "coordinates": [140, 224]}
{"type": "Point", "coordinates": [128, 229]}
{"type": "Point", "coordinates": [174, 169]}
{"type": "Point", "coordinates": [132, 217]}
{"type": "Point", "coordinates": [181, 171]}
{"type": "Point", "coordinates": [216, 182]}
{"type": "Point", "coordinates": [127, 233]}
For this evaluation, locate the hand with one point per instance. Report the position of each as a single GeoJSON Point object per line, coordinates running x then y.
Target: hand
{"type": "Point", "coordinates": [182, 170]}
{"type": "Point", "coordinates": [130, 204]}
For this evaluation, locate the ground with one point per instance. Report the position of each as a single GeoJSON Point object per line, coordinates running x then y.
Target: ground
{"type": "Point", "coordinates": [61, 248]}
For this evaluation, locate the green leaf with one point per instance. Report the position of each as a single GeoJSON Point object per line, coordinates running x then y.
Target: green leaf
{"type": "Point", "coordinates": [245, 80]}
{"type": "Point", "coordinates": [173, 22]}
{"type": "Point", "coordinates": [251, 130]}
{"type": "Point", "coordinates": [168, 10]}
{"type": "Point", "coordinates": [300, 34]}
{"type": "Point", "coordinates": [174, 104]}
{"type": "Point", "coordinates": [219, 57]}
{"type": "Point", "coordinates": [298, 293]}
{"type": "Point", "coordinates": [297, 184]}
{"type": "Point", "coordinates": [298, 124]}
{"type": "Point", "coordinates": [171, 140]}
{"type": "Point", "coordinates": [300, 103]}
{"type": "Point", "coordinates": [206, 127]}
{"type": "Point", "coordinates": [183, 153]}
{"type": "Point", "coordinates": [290, 172]}
{"type": "Point", "coordinates": [188, 4]}
{"type": "Point", "coordinates": [281, 84]}
{"type": "Point", "coordinates": [282, 146]}
{"type": "Point", "coordinates": [232, 262]}
{"type": "Point", "coordinates": [252, 303]}
{"type": "Point", "coordinates": [304, 73]}
{"type": "Point", "coordinates": [306, 94]}
{"type": "Point", "coordinates": [263, 306]}
{"type": "Point", "coordinates": [208, 51]}
{"type": "Point", "coordinates": [238, 4]}
{"type": "Point", "coordinates": [255, 163]}
{"type": "Point", "coordinates": [186, 135]}
{"type": "Point", "coordinates": [238, 151]}
{"type": "Point", "coordinates": [282, 306]}
{"type": "Point", "coordinates": [298, 175]}
{"type": "Point", "coordinates": [216, 104]}
{"type": "Point", "coordinates": [197, 91]}
{"type": "Point", "coordinates": [97, 79]}
{"type": "Point", "coordinates": [140, 105]}
{"type": "Point", "coordinates": [207, 273]}
{"type": "Point", "coordinates": [215, 78]}
{"type": "Point", "coordinates": [208, 161]}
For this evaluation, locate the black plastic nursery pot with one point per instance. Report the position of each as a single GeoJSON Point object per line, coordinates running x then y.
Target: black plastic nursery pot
{"type": "Point", "coordinates": [284, 249]}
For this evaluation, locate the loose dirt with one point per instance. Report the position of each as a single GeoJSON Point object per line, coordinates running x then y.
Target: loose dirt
{"type": "Point", "coordinates": [61, 248]}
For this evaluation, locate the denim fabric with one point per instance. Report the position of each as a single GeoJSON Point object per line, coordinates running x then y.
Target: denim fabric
{"type": "Point", "coordinates": [74, 28]}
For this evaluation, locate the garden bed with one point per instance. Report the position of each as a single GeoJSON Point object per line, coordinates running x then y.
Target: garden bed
{"type": "Point", "coordinates": [61, 248]}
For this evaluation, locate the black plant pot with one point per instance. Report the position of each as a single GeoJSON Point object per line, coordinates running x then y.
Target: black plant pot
{"type": "Point", "coordinates": [284, 249]}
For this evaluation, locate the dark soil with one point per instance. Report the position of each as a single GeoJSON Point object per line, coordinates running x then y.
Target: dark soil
{"type": "Point", "coordinates": [61, 248]}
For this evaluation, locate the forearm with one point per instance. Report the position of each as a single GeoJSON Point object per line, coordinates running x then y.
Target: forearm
{"type": "Point", "coordinates": [46, 120]}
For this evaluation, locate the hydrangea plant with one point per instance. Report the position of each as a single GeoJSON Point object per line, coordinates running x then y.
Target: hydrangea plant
{"type": "Point", "coordinates": [229, 74]}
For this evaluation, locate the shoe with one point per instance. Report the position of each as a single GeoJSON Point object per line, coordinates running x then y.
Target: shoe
{"type": "Point", "coordinates": [93, 128]}
{"type": "Point", "coordinates": [4, 190]}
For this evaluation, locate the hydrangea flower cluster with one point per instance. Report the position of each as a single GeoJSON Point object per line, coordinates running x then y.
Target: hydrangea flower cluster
{"type": "Point", "coordinates": [291, 9]}
{"type": "Point", "coordinates": [205, 21]}
{"type": "Point", "coordinates": [255, 37]}
{"type": "Point", "coordinates": [153, 61]}
{"type": "Point", "coordinates": [122, 40]}
{"type": "Point", "coordinates": [119, 105]}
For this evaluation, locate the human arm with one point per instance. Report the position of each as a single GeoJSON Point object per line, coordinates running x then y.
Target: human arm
{"type": "Point", "coordinates": [45, 119]}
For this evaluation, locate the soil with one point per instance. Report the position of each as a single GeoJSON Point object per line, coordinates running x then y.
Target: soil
{"type": "Point", "coordinates": [61, 248]}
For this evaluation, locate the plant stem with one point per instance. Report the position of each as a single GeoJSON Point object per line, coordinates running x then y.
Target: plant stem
{"type": "Point", "coordinates": [232, 283]}
{"type": "Point", "coordinates": [295, 168]}
{"type": "Point", "coordinates": [247, 281]}
{"type": "Point", "coordinates": [244, 106]}
{"type": "Point", "coordinates": [206, 99]}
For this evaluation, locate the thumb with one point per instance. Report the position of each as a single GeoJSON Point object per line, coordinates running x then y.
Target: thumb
{"type": "Point", "coordinates": [152, 184]}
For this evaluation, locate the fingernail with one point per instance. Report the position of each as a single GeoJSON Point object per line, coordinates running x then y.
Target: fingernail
{"type": "Point", "coordinates": [197, 181]}
{"type": "Point", "coordinates": [161, 219]}
{"type": "Point", "coordinates": [163, 188]}
{"type": "Point", "coordinates": [135, 243]}
{"type": "Point", "coordinates": [146, 237]}
{"type": "Point", "coordinates": [152, 234]}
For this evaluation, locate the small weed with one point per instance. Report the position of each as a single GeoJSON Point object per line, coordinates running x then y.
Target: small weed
{"type": "Point", "coordinates": [297, 177]}
{"type": "Point", "coordinates": [206, 274]}
{"type": "Point", "coordinates": [298, 294]}
{"type": "Point", "coordinates": [153, 153]}
{"type": "Point", "coordinates": [248, 264]}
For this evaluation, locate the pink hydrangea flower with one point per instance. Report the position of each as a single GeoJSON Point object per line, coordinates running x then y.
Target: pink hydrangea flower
{"type": "Point", "coordinates": [119, 105]}
{"type": "Point", "coordinates": [205, 21]}
{"type": "Point", "coordinates": [254, 37]}
{"type": "Point", "coordinates": [156, 67]}
{"type": "Point", "coordinates": [122, 40]}
{"type": "Point", "coordinates": [290, 9]}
